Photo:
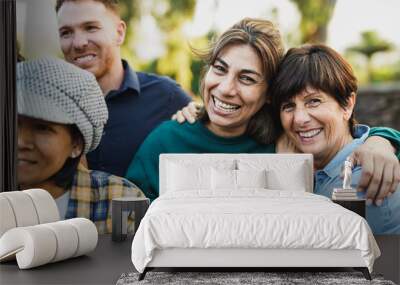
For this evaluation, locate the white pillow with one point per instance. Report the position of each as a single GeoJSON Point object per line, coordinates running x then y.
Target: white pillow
{"type": "Point", "coordinates": [185, 174]}
{"type": "Point", "coordinates": [281, 180]}
{"type": "Point", "coordinates": [251, 178]}
{"type": "Point", "coordinates": [182, 177]}
{"type": "Point", "coordinates": [223, 179]}
{"type": "Point", "coordinates": [236, 179]}
{"type": "Point", "coordinates": [281, 174]}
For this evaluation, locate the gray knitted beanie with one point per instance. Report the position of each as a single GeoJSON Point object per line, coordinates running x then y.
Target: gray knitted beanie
{"type": "Point", "coordinates": [53, 90]}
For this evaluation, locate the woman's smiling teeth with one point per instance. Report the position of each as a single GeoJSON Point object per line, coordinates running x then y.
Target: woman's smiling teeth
{"type": "Point", "coordinates": [230, 108]}
{"type": "Point", "coordinates": [309, 134]}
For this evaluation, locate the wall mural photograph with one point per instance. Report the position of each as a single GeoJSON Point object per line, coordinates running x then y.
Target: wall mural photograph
{"type": "Point", "coordinates": [211, 141]}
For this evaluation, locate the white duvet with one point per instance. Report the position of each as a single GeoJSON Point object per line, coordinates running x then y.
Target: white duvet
{"type": "Point", "coordinates": [250, 219]}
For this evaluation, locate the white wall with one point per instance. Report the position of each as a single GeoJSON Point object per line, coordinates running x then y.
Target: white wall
{"type": "Point", "coordinates": [37, 30]}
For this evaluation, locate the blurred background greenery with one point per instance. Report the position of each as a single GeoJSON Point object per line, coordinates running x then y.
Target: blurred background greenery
{"type": "Point", "coordinates": [161, 32]}
{"type": "Point", "coordinates": [177, 61]}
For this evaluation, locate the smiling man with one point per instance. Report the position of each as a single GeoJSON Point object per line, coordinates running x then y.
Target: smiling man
{"type": "Point", "coordinates": [91, 33]}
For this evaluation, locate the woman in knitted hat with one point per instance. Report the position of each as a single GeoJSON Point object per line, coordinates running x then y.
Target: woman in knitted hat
{"type": "Point", "coordinates": [61, 115]}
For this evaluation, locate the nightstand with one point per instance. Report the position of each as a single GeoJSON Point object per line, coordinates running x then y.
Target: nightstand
{"type": "Point", "coordinates": [357, 206]}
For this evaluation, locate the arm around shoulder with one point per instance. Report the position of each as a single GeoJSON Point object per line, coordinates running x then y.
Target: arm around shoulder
{"type": "Point", "coordinates": [392, 135]}
{"type": "Point", "coordinates": [380, 166]}
{"type": "Point", "coordinates": [178, 98]}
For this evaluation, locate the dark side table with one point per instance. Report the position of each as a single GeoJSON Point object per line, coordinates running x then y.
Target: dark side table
{"type": "Point", "coordinates": [357, 206]}
{"type": "Point", "coordinates": [121, 209]}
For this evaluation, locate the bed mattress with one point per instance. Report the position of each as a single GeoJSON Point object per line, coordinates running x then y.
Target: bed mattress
{"type": "Point", "coordinates": [250, 219]}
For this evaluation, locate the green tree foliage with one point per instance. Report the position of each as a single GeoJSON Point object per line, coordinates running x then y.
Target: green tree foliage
{"type": "Point", "coordinates": [130, 13]}
{"type": "Point", "coordinates": [171, 16]}
{"type": "Point", "coordinates": [370, 44]}
{"type": "Point", "coordinates": [315, 17]}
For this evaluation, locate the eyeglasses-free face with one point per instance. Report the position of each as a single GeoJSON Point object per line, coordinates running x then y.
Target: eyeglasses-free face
{"type": "Point", "coordinates": [43, 148]}
{"type": "Point", "coordinates": [234, 90]}
{"type": "Point", "coordinates": [90, 36]}
{"type": "Point", "coordinates": [317, 124]}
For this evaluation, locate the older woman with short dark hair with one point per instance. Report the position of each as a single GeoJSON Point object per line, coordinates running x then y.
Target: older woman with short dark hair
{"type": "Point", "coordinates": [314, 94]}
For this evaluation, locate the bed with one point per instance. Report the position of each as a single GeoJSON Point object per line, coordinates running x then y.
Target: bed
{"type": "Point", "coordinates": [246, 211]}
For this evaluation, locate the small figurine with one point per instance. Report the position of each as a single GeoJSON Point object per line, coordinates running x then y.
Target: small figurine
{"type": "Point", "coordinates": [346, 192]}
{"type": "Point", "coordinates": [348, 165]}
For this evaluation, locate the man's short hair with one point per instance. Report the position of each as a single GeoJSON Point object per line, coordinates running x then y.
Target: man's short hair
{"type": "Point", "coordinates": [110, 4]}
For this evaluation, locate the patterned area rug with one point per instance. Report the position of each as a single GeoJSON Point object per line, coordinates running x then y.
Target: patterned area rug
{"type": "Point", "coordinates": [244, 278]}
